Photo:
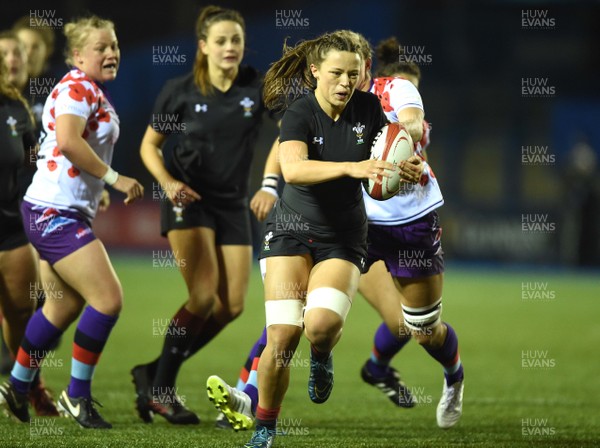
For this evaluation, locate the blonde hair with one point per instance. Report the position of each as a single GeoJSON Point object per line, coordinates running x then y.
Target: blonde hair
{"type": "Point", "coordinates": [10, 91]}
{"type": "Point", "coordinates": [295, 64]}
{"type": "Point", "coordinates": [78, 31]}
{"type": "Point", "coordinates": [208, 16]}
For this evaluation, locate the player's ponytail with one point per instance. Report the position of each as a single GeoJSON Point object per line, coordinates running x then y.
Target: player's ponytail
{"type": "Point", "coordinates": [295, 65]}
{"type": "Point", "coordinates": [209, 15]}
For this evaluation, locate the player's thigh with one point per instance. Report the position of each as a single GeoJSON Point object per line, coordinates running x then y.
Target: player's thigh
{"type": "Point", "coordinates": [420, 292]}
{"type": "Point", "coordinates": [63, 303]}
{"type": "Point", "coordinates": [235, 263]}
{"type": "Point", "coordinates": [196, 255]}
{"type": "Point", "coordinates": [19, 276]}
{"type": "Point", "coordinates": [335, 273]}
{"type": "Point", "coordinates": [286, 277]}
{"type": "Point", "coordinates": [378, 288]}
{"type": "Point", "coordinates": [89, 272]}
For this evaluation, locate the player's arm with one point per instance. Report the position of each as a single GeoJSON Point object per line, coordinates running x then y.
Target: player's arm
{"type": "Point", "coordinates": [69, 141]}
{"type": "Point", "coordinates": [264, 199]}
{"type": "Point", "coordinates": [298, 169]}
{"type": "Point", "coordinates": [151, 154]}
{"type": "Point", "coordinates": [412, 120]}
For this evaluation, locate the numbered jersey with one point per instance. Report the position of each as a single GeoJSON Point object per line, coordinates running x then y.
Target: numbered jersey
{"type": "Point", "coordinates": [412, 201]}
{"type": "Point", "coordinates": [57, 182]}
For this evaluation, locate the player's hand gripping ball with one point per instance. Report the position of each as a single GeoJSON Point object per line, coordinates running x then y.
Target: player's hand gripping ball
{"type": "Point", "coordinates": [392, 144]}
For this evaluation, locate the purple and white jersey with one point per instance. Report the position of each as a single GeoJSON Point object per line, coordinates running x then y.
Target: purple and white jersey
{"type": "Point", "coordinates": [412, 201]}
{"type": "Point", "coordinates": [57, 182]}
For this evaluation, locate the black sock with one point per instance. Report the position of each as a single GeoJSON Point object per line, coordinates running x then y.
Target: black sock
{"type": "Point", "coordinates": [210, 329]}
{"type": "Point", "coordinates": [184, 327]}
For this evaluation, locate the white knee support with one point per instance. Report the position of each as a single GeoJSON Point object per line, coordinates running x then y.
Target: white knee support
{"type": "Point", "coordinates": [331, 299]}
{"type": "Point", "coordinates": [284, 312]}
{"type": "Point", "coordinates": [420, 319]}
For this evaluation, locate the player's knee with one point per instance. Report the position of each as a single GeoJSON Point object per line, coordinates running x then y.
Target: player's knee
{"type": "Point", "coordinates": [230, 312]}
{"type": "Point", "coordinates": [424, 322]}
{"type": "Point", "coordinates": [18, 311]}
{"type": "Point", "coordinates": [325, 313]}
{"type": "Point", "coordinates": [111, 302]}
{"type": "Point", "coordinates": [201, 300]}
{"type": "Point", "coordinates": [283, 340]}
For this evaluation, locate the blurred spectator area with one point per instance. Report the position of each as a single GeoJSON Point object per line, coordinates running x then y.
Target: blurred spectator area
{"type": "Point", "coordinates": [480, 56]}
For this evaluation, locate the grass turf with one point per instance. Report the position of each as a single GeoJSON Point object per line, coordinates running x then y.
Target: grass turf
{"type": "Point", "coordinates": [529, 343]}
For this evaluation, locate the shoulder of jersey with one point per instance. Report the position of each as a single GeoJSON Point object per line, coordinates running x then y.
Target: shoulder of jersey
{"type": "Point", "coordinates": [180, 82]}
{"type": "Point", "coordinates": [249, 75]}
{"type": "Point", "coordinates": [365, 97]}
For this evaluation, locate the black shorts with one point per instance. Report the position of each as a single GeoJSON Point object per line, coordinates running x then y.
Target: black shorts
{"type": "Point", "coordinates": [277, 243]}
{"type": "Point", "coordinates": [230, 219]}
{"type": "Point", "coordinates": [12, 233]}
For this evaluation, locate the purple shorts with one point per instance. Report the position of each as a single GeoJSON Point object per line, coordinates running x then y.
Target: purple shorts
{"type": "Point", "coordinates": [410, 250]}
{"type": "Point", "coordinates": [55, 233]}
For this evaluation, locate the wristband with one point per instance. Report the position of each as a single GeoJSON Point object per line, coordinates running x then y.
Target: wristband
{"type": "Point", "coordinates": [111, 176]}
{"type": "Point", "coordinates": [270, 180]}
{"type": "Point", "coordinates": [269, 184]}
{"type": "Point", "coordinates": [271, 190]}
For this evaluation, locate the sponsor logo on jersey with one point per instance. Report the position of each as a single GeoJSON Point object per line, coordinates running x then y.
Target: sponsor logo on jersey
{"type": "Point", "coordinates": [317, 140]}
{"type": "Point", "coordinates": [359, 129]}
{"type": "Point", "coordinates": [81, 232]}
{"type": "Point", "coordinates": [247, 104]}
{"type": "Point", "coordinates": [201, 108]}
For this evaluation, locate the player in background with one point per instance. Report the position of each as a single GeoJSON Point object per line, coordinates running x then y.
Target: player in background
{"type": "Point", "coordinates": [205, 214]}
{"type": "Point", "coordinates": [81, 128]}
{"type": "Point", "coordinates": [324, 154]}
{"type": "Point", "coordinates": [379, 288]}
{"type": "Point", "coordinates": [405, 233]}
{"type": "Point", "coordinates": [15, 74]}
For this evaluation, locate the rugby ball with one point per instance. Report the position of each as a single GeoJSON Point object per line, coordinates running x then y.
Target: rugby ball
{"type": "Point", "coordinates": [392, 144]}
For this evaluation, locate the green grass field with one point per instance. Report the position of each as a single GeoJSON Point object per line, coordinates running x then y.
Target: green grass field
{"type": "Point", "coordinates": [529, 343]}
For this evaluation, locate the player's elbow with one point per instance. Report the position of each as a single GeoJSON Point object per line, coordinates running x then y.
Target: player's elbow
{"type": "Point", "coordinates": [292, 173]}
{"type": "Point", "coordinates": [415, 129]}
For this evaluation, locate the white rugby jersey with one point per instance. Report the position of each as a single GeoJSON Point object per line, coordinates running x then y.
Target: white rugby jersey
{"type": "Point", "coordinates": [57, 182]}
{"type": "Point", "coordinates": [412, 201]}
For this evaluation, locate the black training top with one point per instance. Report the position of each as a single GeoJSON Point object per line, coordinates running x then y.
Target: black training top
{"type": "Point", "coordinates": [334, 206]}
{"type": "Point", "coordinates": [216, 133]}
{"type": "Point", "coordinates": [16, 137]}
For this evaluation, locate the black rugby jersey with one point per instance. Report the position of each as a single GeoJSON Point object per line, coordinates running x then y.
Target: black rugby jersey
{"type": "Point", "coordinates": [16, 137]}
{"type": "Point", "coordinates": [215, 133]}
{"type": "Point", "coordinates": [336, 205]}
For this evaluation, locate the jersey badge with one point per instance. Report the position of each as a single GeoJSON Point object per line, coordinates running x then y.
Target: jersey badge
{"type": "Point", "coordinates": [247, 104]}
{"type": "Point", "coordinates": [359, 129]}
{"type": "Point", "coordinates": [201, 108]}
{"type": "Point", "coordinates": [268, 237]}
{"type": "Point", "coordinates": [11, 122]}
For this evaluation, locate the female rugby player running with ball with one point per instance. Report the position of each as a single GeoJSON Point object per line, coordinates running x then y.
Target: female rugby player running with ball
{"type": "Point", "coordinates": [325, 143]}
{"type": "Point", "coordinates": [415, 206]}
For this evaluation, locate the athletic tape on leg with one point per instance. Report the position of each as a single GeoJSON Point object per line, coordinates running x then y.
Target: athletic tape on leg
{"type": "Point", "coordinates": [419, 319]}
{"type": "Point", "coordinates": [263, 268]}
{"type": "Point", "coordinates": [284, 312]}
{"type": "Point", "coordinates": [331, 299]}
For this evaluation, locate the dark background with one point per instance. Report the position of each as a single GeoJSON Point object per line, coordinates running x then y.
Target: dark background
{"type": "Point", "coordinates": [479, 53]}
